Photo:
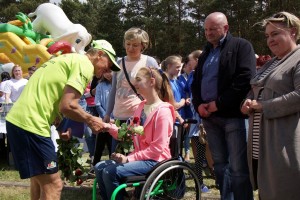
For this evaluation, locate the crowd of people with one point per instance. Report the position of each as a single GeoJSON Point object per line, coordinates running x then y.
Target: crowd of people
{"type": "Point", "coordinates": [221, 86]}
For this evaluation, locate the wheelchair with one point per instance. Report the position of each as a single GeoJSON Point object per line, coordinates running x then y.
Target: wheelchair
{"type": "Point", "coordinates": [169, 179]}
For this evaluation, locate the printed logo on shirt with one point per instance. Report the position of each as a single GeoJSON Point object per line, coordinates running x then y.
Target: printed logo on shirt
{"type": "Point", "coordinates": [51, 165]}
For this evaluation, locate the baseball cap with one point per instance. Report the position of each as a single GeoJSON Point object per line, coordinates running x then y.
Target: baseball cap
{"type": "Point", "coordinates": [108, 49]}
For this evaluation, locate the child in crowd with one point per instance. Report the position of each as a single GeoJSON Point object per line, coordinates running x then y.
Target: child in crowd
{"type": "Point", "coordinates": [89, 95]}
{"type": "Point", "coordinates": [31, 70]}
{"type": "Point", "coordinates": [171, 65]}
{"type": "Point", "coordinates": [187, 112]}
{"type": "Point", "coordinates": [199, 149]}
{"type": "Point", "coordinates": [101, 97]}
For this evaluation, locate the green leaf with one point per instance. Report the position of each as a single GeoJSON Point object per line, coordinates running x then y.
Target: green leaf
{"type": "Point", "coordinates": [117, 122]}
{"type": "Point", "coordinates": [58, 141]}
{"type": "Point", "coordinates": [69, 152]}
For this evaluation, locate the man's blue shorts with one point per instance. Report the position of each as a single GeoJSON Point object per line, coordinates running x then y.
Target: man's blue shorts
{"type": "Point", "coordinates": [33, 154]}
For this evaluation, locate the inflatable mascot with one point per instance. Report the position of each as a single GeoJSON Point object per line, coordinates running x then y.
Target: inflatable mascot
{"type": "Point", "coordinates": [27, 43]}
{"type": "Point", "coordinates": [51, 18]}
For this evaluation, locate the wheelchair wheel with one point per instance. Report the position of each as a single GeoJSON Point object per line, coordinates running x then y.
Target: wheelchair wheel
{"type": "Point", "coordinates": [172, 180]}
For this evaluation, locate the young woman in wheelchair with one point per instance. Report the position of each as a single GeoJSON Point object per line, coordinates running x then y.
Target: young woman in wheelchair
{"type": "Point", "coordinates": [157, 116]}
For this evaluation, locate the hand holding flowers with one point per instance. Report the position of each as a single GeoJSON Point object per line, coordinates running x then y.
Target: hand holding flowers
{"type": "Point", "coordinates": [127, 133]}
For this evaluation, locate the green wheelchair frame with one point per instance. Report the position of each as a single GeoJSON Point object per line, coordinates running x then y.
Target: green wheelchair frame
{"type": "Point", "coordinates": [153, 182]}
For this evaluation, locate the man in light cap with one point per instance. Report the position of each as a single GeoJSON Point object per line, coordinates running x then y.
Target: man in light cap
{"type": "Point", "coordinates": [52, 92]}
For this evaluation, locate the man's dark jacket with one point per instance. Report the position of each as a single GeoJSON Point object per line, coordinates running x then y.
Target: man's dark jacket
{"type": "Point", "coordinates": [236, 68]}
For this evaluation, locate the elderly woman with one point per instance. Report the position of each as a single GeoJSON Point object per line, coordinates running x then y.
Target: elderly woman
{"type": "Point", "coordinates": [275, 107]}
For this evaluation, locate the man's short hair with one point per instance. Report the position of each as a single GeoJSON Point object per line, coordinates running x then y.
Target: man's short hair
{"type": "Point", "coordinates": [32, 68]}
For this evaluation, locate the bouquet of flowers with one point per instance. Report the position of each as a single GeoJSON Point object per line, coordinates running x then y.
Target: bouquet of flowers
{"type": "Point", "coordinates": [70, 160]}
{"type": "Point", "coordinates": [127, 133]}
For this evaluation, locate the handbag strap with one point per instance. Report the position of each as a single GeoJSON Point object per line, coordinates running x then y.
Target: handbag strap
{"type": "Point", "coordinates": [127, 77]}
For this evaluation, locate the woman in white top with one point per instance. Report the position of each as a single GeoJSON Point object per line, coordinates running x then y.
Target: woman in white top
{"type": "Point", "coordinates": [123, 101]}
{"type": "Point", "coordinates": [15, 85]}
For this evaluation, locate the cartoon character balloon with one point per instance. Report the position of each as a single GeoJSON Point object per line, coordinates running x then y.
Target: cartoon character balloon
{"type": "Point", "coordinates": [51, 18]}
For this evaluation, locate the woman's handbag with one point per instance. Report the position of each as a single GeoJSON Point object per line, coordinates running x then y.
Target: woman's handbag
{"type": "Point", "coordinates": [128, 80]}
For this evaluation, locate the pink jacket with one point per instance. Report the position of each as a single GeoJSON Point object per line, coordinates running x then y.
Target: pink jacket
{"type": "Point", "coordinates": [158, 129]}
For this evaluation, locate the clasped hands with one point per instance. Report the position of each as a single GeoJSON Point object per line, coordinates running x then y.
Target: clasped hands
{"type": "Point", "coordinates": [250, 106]}
{"type": "Point", "coordinates": [119, 158]}
{"type": "Point", "coordinates": [97, 125]}
{"type": "Point", "coordinates": [205, 109]}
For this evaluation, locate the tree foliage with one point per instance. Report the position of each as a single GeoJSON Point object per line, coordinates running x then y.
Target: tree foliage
{"type": "Point", "coordinates": [174, 26]}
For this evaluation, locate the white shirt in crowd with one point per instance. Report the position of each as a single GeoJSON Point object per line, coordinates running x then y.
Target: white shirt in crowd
{"type": "Point", "coordinates": [15, 87]}
{"type": "Point", "coordinates": [2, 86]}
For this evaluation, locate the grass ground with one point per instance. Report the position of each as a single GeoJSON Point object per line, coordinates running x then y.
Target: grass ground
{"type": "Point", "coordinates": [12, 187]}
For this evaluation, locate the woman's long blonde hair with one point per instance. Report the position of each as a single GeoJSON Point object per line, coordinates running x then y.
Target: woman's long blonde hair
{"type": "Point", "coordinates": [162, 83]}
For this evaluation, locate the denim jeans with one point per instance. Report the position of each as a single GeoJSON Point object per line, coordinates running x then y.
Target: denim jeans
{"type": "Point", "coordinates": [227, 142]}
{"type": "Point", "coordinates": [109, 174]}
